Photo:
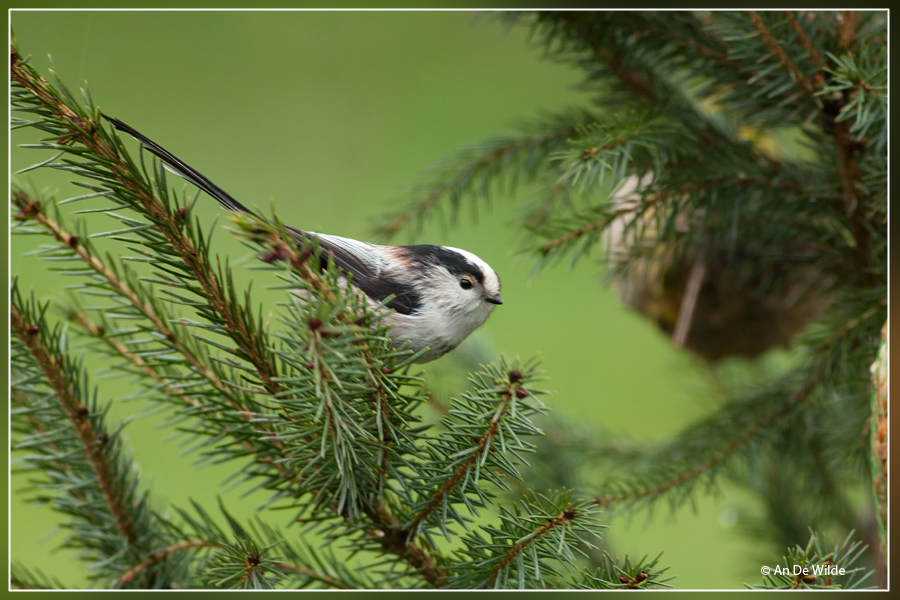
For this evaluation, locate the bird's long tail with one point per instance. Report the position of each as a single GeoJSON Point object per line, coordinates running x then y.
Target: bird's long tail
{"type": "Point", "coordinates": [182, 169]}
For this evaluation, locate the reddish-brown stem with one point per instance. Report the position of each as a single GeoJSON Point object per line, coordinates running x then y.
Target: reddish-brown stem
{"type": "Point", "coordinates": [804, 39]}
{"type": "Point", "coordinates": [92, 442]}
{"type": "Point", "coordinates": [520, 546]}
{"type": "Point", "coordinates": [437, 498]}
{"type": "Point", "coordinates": [780, 53]}
{"type": "Point", "coordinates": [157, 557]}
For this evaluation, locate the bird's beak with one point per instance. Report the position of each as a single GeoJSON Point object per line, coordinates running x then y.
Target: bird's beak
{"type": "Point", "coordinates": [495, 299]}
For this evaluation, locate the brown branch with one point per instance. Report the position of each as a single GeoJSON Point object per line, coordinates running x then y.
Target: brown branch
{"type": "Point", "coordinates": [847, 148]}
{"type": "Point", "coordinates": [437, 498]}
{"type": "Point", "coordinates": [394, 539]}
{"type": "Point", "coordinates": [545, 528]}
{"type": "Point", "coordinates": [92, 442]}
{"type": "Point", "coordinates": [160, 556]}
{"type": "Point", "coordinates": [780, 53]}
{"type": "Point", "coordinates": [703, 49]}
{"type": "Point", "coordinates": [804, 39]}
{"type": "Point", "coordinates": [31, 208]}
{"type": "Point", "coordinates": [173, 390]}
{"type": "Point", "coordinates": [848, 23]}
{"type": "Point", "coordinates": [574, 234]}
{"type": "Point", "coordinates": [86, 133]}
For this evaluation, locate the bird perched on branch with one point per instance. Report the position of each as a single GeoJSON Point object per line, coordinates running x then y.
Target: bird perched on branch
{"type": "Point", "coordinates": [438, 294]}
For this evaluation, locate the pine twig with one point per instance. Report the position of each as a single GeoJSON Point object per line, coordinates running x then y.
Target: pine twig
{"type": "Point", "coordinates": [515, 552]}
{"type": "Point", "coordinates": [804, 39]}
{"type": "Point", "coordinates": [92, 443]}
{"type": "Point", "coordinates": [779, 52]}
{"type": "Point", "coordinates": [88, 133]}
{"type": "Point", "coordinates": [160, 556]}
{"type": "Point", "coordinates": [32, 208]}
{"type": "Point", "coordinates": [513, 390]}
{"type": "Point", "coordinates": [677, 480]}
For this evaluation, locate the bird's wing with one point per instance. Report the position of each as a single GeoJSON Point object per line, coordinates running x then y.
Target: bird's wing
{"type": "Point", "coordinates": [359, 258]}
{"type": "Point", "coordinates": [370, 266]}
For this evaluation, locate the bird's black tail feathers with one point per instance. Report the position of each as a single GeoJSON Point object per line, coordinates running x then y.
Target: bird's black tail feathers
{"type": "Point", "coordinates": [182, 169]}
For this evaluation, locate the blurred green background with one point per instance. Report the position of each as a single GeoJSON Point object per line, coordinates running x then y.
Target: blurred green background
{"type": "Point", "coordinates": [327, 117]}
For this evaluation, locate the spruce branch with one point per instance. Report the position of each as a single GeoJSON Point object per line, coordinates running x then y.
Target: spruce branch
{"type": "Point", "coordinates": [135, 296]}
{"type": "Point", "coordinates": [780, 53]}
{"type": "Point", "coordinates": [157, 557]}
{"type": "Point", "coordinates": [535, 541]}
{"type": "Point", "coordinates": [248, 549]}
{"type": "Point", "coordinates": [29, 326]}
{"type": "Point", "coordinates": [78, 132]}
{"type": "Point", "coordinates": [625, 574]}
{"type": "Point", "coordinates": [524, 544]}
{"type": "Point", "coordinates": [31, 208]}
{"type": "Point", "coordinates": [62, 432]}
{"type": "Point", "coordinates": [714, 457]}
{"type": "Point", "coordinates": [483, 428]}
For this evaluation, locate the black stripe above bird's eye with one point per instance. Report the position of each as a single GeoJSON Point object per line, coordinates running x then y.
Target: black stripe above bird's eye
{"type": "Point", "coordinates": [454, 262]}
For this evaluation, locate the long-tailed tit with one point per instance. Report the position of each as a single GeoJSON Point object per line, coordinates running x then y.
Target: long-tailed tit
{"type": "Point", "coordinates": [440, 294]}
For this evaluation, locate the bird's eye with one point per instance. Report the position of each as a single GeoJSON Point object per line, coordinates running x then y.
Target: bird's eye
{"type": "Point", "coordinates": [466, 283]}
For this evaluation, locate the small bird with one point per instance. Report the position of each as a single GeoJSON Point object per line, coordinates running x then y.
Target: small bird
{"type": "Point", "coordinates": [440, 294]}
